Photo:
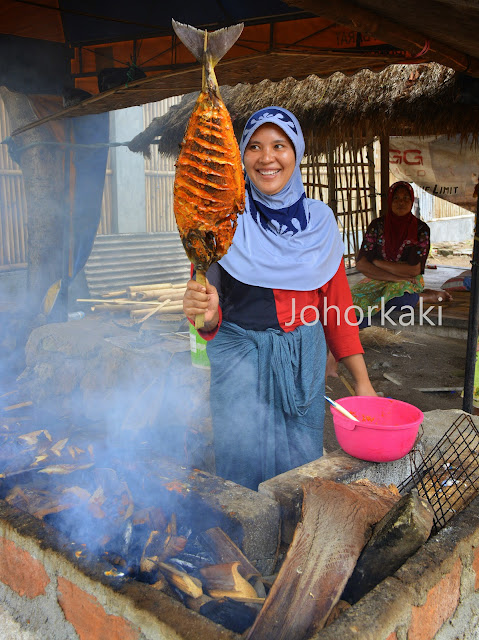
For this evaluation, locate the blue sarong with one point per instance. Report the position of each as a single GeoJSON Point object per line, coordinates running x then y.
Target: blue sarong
{"type": "Point", "coordinates": [266, 399]}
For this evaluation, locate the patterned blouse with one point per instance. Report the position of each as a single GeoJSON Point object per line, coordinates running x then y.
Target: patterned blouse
{"type": "Point", "coordinates": [372, 247]}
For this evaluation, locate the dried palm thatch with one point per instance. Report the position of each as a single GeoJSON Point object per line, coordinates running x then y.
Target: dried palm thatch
{"type": "Point", "coordinates": [426, 99]}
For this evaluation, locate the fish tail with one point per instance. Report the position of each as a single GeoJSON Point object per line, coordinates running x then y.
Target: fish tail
{"type": "Point", "coordinates": [208, 47]}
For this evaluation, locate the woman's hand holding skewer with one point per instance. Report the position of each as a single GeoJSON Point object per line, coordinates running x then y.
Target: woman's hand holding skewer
{"type": "Point", "coordinates": [202, 300]}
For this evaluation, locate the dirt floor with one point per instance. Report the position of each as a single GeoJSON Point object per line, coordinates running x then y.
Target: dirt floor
{"type": "Point", "coordinates": [414, 360]}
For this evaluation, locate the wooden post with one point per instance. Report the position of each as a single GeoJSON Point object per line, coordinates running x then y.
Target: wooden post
{"type": "Point", "coordinates": [472, 329]}
{"type": "Point", "coordinates": [42, 168]}
{"type": "Point", "coordinates": [384, 140]}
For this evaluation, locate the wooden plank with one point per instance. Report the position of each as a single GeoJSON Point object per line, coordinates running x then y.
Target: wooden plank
{"type": "Point", "coordinates": [326, 545]}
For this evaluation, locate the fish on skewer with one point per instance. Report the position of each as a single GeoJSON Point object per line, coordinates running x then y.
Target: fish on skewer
{"type": "Point", "coordinates": [209, 184]}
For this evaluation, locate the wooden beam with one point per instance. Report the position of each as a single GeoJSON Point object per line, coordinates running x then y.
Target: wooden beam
{"type": "Point", "coordinates": [384, 142]}
{"type": "Point", "coordinates": [367, 21]}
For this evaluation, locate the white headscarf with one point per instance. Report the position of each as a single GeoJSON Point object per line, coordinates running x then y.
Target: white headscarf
{"type": "Point", "coordinates": [284, 240]}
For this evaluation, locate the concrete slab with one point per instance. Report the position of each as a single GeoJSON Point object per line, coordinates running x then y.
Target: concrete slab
{"type": "Point", "coordinates": [338, 466]}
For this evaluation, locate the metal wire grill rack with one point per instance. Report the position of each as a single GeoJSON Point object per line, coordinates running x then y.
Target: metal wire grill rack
{"type": "Point", "coordinates": [449, 476]}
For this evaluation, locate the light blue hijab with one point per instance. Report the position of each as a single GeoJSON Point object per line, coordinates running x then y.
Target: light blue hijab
{"type": "Point", "coordinates": [283, 241]}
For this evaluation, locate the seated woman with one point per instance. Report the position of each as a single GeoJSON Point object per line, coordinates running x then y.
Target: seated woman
{"type": "Point", "coordinates": [393, 257]}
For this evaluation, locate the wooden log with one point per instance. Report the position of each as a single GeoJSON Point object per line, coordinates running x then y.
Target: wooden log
{"type": "Point", "coordinates": [402, 531]}
{"type": "Point", "coordinates": [225, 550]}
{"type": "Point", "coordinates": [225, 580]}
{"type": "Point", "coordinates": [181, 580]}
{"type": "Point", "coordinates": [177, 294]}
{"type": "Point", "coordinates": [327, 542]}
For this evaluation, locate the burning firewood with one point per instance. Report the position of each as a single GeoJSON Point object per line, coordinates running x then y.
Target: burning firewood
{"type": "Point", "coordinates": [57, 448]}
{"type": "Point", "coordinates": [225, 550]}
{"type": "Point", "coordinates": [38, 451]}
{"type": "Point", "coordinates": [181, 580]}
{"type": "Point", "coordinates": [63, 469]}
{"type": "Point", "coordinates": [224, 580]}
{"type": "Point", "coordinates": [33, 437]}
{"type": "Point", "coordinates": [336, 524]}
{"type": "Point", "coordinates": [37, 503]}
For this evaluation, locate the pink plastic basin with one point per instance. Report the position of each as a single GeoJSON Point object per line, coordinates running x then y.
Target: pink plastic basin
{"type": "Point", "coordinates": [386, 429]}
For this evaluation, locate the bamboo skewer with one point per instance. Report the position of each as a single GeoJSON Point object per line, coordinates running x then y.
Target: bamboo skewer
{"type": "Point", "coordinates": [200, 318]}
{"type": "Point", "coordinates": [152, 312]}
{"type": "Point", "coordinates": [18, 406]}
{"type": "Point", "coordinates": [137, 313]}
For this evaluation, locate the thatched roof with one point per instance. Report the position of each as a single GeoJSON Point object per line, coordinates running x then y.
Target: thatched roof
{"type": "Point", "coordinates": [401, 100]}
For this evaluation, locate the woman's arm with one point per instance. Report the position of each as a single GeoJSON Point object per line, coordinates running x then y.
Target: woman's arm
{"type": "Point", "coordinates": [370, 270]}
{"type": "Point", "coordinates": [357, 368]}
{"type": "Point", "coordinates": [401, 269]}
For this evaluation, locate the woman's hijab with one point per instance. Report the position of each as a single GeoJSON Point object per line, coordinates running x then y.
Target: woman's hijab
{"type": "Point", "coordinates": [284, 240]}
{"type": "Point", "coordinates": [399, 229]}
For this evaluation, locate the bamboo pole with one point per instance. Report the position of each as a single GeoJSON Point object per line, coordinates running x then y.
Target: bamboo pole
{"type": "Point", "coordinates": [113, 294]}
{"type": "Point", "coordinates": [147, 287]}
{"type": "Point", "coordinates": [169, 308]}
{"type": "Point", "coordinates": [159, 294]}
{"type": "Point", "coordinates": [124, 302]}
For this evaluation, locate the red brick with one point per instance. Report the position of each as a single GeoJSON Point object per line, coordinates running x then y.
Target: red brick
{"type": "Point", "coordinates": [90, 620]}
{"type": "Point", "coordinates": [20, 571]}
{"type": "Point", "coordinates": [475, 566]}
{"type": "Point", "coordinates": [392, 636]}
{"type": "Point", "coordinates": [441, 602]}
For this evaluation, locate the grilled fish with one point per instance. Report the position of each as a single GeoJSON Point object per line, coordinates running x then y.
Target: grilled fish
{"type": "Point", "coordinates": [209, 184]}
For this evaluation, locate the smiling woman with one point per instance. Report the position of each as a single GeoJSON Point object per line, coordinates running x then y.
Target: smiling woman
{"type": "Point", "coordinates": [264, 304]}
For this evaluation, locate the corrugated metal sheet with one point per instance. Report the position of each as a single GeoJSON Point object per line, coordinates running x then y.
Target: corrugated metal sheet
{"type": "Point", "coordinates": [423, 203]}
{"type": "Point", "coordinates": [117, 261]}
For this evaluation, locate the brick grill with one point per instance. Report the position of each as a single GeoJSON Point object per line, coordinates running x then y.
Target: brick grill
{"type": "Point", "coordinates": [62, 597]}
